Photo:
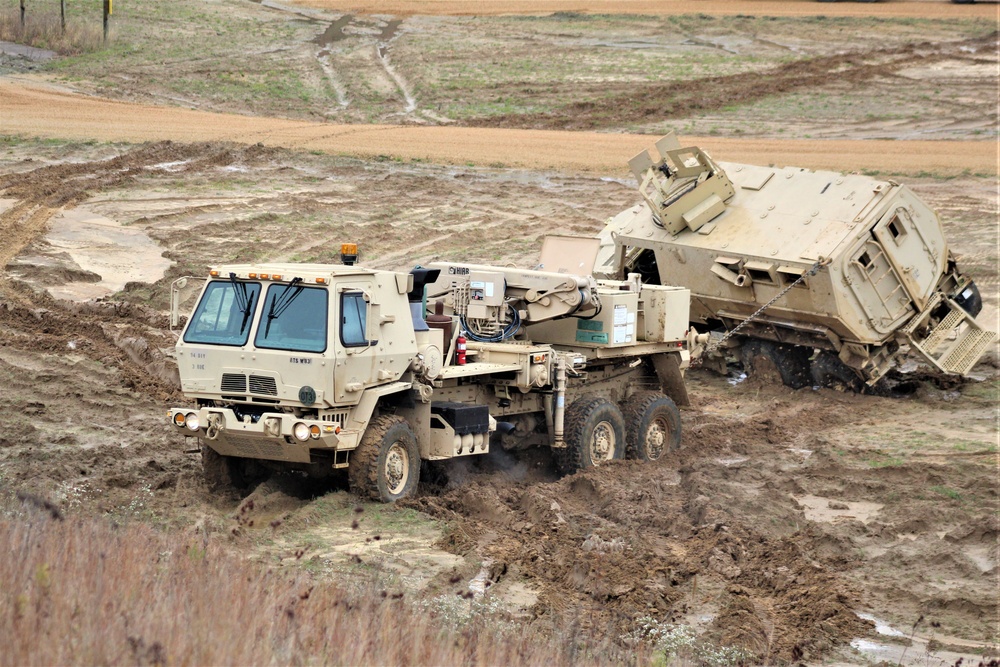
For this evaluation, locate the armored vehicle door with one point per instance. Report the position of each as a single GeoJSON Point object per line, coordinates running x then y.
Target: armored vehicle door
{"type": "Point", "coordinates": [914, 259]}
{"type": "Point", "coordinates": [355, 339]}
{"type": "Point", "coordinates": [874, 282]}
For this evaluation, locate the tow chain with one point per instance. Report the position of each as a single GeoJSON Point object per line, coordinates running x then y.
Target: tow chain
{"type": "Point", "coordinates": [729, 334]}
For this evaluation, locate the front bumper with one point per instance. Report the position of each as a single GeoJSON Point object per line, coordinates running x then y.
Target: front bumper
{"type": "Point", "coordinates": [270, 437]}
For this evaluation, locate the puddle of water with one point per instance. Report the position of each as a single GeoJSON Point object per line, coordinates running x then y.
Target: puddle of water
{"type": "Point", "coordinates": [819, 509]}
{"type": "Point", "coordinates": [916, 651]}
{"type": "Point", "coordinates": [335, 32]}
{"type": "Point", "coordinates": [388, 33]}
{"type": "Point", "coordinates": [881, 627]}
{"type": "Point", "coordinates": [102, 246]}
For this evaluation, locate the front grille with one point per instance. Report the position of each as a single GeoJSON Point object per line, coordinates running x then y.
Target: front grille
{"type": "Point", "coordinates": [234, 382]}
{"type": "Point", "coordinates": [263, 385]}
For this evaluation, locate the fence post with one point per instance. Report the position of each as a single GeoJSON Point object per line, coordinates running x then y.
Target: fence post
{"type": "Point", "coordinates": [22, 14]}
{"type": "Point", "coordinates": [107, 13]}
{"type": "Point", "coordinates": [62, 13]}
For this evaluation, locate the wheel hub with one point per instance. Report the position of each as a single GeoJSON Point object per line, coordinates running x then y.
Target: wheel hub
{"type": "Point", "coordinates": [604, 442]}
{"type": "Point", "coordinates": [397, 468]}
{"type": "Point", "coordinates": [655, 438]}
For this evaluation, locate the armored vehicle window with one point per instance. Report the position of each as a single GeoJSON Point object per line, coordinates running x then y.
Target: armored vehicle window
{"type": "Point", "coordinates": [866, 261]}
{"type": "Point", "coordinates": [294, 319]}
{"type": "Point", "coordinates": [224, 314]}
{"type": "Point", "coordinates": [896, 228]}
{"type": "Point", "coordinates": [353, 319]}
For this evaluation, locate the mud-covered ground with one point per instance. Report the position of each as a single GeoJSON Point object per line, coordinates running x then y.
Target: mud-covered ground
{"type": "Point", "coordinates": [803, 525]}
{"type": "Point", "coordinates": [806, 526]}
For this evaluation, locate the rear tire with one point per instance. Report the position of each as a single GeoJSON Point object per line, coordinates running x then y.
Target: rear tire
{"type": "Point", "coordinates": [653, 426]}
{"type": "Point", "coordinates": [386, 465]}
{"type": "Point", "coordinates": [594, 433]}
{"type": "Point", "coordinates": [766, 360]}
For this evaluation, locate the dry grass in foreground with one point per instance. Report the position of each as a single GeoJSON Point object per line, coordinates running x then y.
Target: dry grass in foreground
{"type": "Point", "coordinates": [85, 592]}
{"type": "Point", "coordinates": [43, 30]}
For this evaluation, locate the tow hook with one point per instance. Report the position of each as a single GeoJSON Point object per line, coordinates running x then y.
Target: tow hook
{"type": "Point", "coordinates": [214, 426]}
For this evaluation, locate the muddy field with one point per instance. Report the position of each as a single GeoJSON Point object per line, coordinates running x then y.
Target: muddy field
{"type": "Point", "coordinates": [785, 515]}
{"type": "Point", "coordinates": [803, 526]}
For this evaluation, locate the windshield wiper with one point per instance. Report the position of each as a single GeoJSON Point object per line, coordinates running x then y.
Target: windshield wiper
{"type": "Point", "coordinates": [242, 299]}
{"type": "Point", "coordinates": [281, 302]}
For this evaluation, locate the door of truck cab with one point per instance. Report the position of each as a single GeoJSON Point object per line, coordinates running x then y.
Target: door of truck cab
{"type": "Point", "coordinates": [355, 339]}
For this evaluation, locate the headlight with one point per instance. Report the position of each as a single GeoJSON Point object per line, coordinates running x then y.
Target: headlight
{"type": "Point", "coordinates": [178, 419]}
{"type": "Point", "coordinates": [191, 421]}
{"type": "Point", "coordinates": [300, 431]}
{"type": "Point", "coordinates": [314, 431]}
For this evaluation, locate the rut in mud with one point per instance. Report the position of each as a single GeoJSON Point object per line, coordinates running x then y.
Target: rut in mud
{"type": "Point", "coordinates": [637, 103]}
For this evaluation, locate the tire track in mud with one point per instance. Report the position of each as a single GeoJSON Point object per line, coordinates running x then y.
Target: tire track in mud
{"type": "Point", "coordinates": [680, 99]}
{"type": "Point", "coordinates": [608, 545]}
{"type": "Point", "coordinates": [335, 34]}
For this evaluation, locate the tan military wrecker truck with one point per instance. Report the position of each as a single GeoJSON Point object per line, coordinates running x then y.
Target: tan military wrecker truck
{"type": "Point", "coordinates": [317, 368]}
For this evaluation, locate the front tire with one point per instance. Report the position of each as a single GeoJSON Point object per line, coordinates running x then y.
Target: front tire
{"type": "Point", "coordinates": [594, 433]}
{"type": "Point", "coordinates": [386, 465]}
{"type": "Point", "coordinates": [653, 425]}
{"type": "Point", "coordinates": [229, 473]}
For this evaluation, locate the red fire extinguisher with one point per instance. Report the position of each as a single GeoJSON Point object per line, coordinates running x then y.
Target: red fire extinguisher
{"type": "Point", "coordinates": [460, 351]}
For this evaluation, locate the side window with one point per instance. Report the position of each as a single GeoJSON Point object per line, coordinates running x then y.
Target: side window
{"type": "Point", "coordinates": [353, 319]}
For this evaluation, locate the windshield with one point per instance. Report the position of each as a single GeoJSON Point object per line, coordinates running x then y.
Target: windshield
{"type": "Point", "coordinates": [294, 319]}
{"type": "Point", "coordinates": [224, 313]}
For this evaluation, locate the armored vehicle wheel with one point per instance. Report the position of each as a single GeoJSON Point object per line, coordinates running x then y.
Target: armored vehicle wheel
{"type": "Point", "coordinates": [386, 465]}
{"type": "Point", "coordinates": [653, 426]}
{"type": "Point", "coordinates": [229, 472]}
{"type": "Point", "coordinates": [594, 432]}
{"type": "Point", "coordinates": [789, 363]}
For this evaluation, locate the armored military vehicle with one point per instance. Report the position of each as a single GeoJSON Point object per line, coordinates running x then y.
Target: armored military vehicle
{"type": "Point", "coordinates": [822, 277]}
{"type": "Point", "coordinates": [319, 367]}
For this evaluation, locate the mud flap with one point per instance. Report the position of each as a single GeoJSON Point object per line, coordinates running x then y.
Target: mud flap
{"type": "Point", "coordinates": [954, 344]}
{"type": "Point", "coordinates": [668, 370]}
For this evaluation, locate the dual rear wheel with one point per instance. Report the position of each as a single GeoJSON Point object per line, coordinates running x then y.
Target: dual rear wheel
{"type": "Point", "coordinates": [597, 431]}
